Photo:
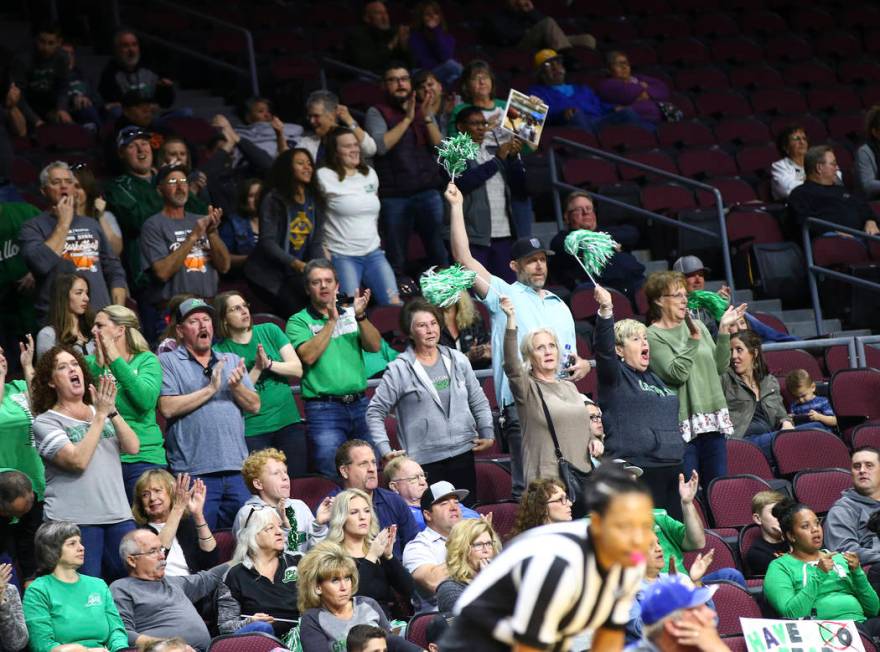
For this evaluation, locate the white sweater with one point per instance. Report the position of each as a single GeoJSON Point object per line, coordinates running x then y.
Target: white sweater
{"type": "Point", "coordinates": [352, 220]}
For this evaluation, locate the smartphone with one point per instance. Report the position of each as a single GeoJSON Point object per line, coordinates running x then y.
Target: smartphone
{"type": "Point", "coordinates": [800, 419]}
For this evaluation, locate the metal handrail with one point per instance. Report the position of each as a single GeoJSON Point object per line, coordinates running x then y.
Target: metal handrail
{"type": "Point", "coordinates": [719, 202]}
{"type": "Point", "coordinates": [814, 270]}
{"type": "Point", "coordinates": [329, 62]}
{"type": "Point", "coordinates": [823, 343]}
{"type": "Point", "coordinates": [861, 341]}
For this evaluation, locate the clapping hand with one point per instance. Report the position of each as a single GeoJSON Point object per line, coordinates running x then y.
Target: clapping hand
{"type": "Point", "coordinates": [217, 375]}
{"type": "Point", "coordinates": [182, 492]}
{"type": "Point", "coordinates": [215, 214]}
{"type": "Point", "coordinates": [701, 565]}
{"type": "Point", "coordinates": [389, 544]}
{"type": "Point", "coordinates": [196, 497]}
{"type": "Point", "coordinates": [322, 514]}
{"type": "Point", "coordinates": [261, 362]}
{"type": "Point", "coordinates": [852, 559]}
{"type": "Point", "coordinates": [104, 397]}
{"type": "Point", "coordinates": [361, 301]}
{"type": "Point", "coordinates": [826, 561]}
{"type": "Point", "coordinates": [378, 545]}
{"type": "Point", "coordinates": [687, 490]}
{"type": "Point", "coordinates": [26, 349]}
{"type": "Point", "coordinates": [730, 317]}
{"type": "Point", "coordinates": [237, 374]}
{"type": "Point", "coordinates": [5, 576]}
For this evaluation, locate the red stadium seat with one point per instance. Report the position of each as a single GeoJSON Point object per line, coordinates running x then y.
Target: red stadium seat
{"type": "Point", "coordinates": [225, 545]}
{"type": "Point", "coordinates": [733, 602]}
{"type": "Point", "coordinates": [688, 133]}
{"type": "Point", "coordinates": [703, 78]}
{"type": "Point", "coordinates": [815, 128]}
{"type": "Point", "coordinates": [742, 131]}
{"type": "Point", "coordinates": [780, 363]}
{"type": "Point", "coordinates": [682, 52]}
{"type": "Point", "coordinates": [417, 629]}
{"type": "Point", "coordinates": [867, 434]}
{"type": "Point", "coordinates": [668, 26]}
{"type": "Point", "coordinates": [788, 47]}
{"type": "Point", "coordinates": [503, 516]}
{"type": "Point", "coordinates": [723, 557]}
{"type": "Point", "coordinates": [386, 319]}
{"type": "Point", "coordinates": [747, 537]}
{"type": "Point", "coordinates": [809, 74]}
{"type": "Point", "coordinates": [736, 643]}
{"type": "Point", "coordinates": [311, 489]}
{"type": "Point", "coordinates": [762, 22]}
{"type": "Point", "coordinates": [589, 172]}
{"type": "Point", "coordinates": [745, 228]}
{"type": "Point", "coordinates": [656, 158]}
{"type": "Point", "coordinates": [734, 191]}
{"type": "Point", "coordinates": [194, 131]}
{"type": "Point", "coordinates": [64, 137]}
{"type": "Point", "coordinates": [269, 318]}
{"type": "Point", "coordinates": [835, 251]}
{"type": "Point", "coordinates": [854, 394]}
{"type": "Point", "coordinates": [858, 72]}
{"type": "Point", "coordinates": [626, 138]}
{"type": "Point", "coordinates": [494, 483]}
{"type": "Point", "coordinates": [820, 488]}
{"type": "Point", "coordinates": [704, 163]}
{"type": "Point", "coordinates": [812, 20]}
{"type": "Point", "coordinates": [754, 76]}
{"type": "Point", "coordinates": [584, 306]}
{"type": "Point", "coordinates": [846, 126]}
{"type": "Point", "coordinates": [795, 450]}
{"type": "Point", "coordinates": [746, 458]}
{"type": "Point", "coordinates": [782, 101]}
{"type": "Point", "coordinates": [757, 159]}
{"type": "Point", "coordinates": [250, 642]}
{"type": "Point", "coordinates": [723, 104]}
{"type": "Point", "coordinates": [737, 50]}
{"type": "Point", "coordinates": [569, 133]}
{"type": "Point", "coordinates": [730, 499]}
{"type": "Point", "coordinates": [833, 99]}
{"type": "Point", "coordinates": [714, 24]}
{"type": "Point", "coordinates": [838, 45]}
{"type": "Point", "coordinates": [837, 358]}
{"type": "Point", "coordinates": [667, 198]}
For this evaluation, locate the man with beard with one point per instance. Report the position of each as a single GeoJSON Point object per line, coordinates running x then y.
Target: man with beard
{"type": "Point", "coordinates": [409, 177]}
{"type": "Point", "coordinates": [535, 308]}
{"type": "Point", "coordinates": [203, 395]}
{"type": "Point", "coordinates": [183, 252]}
{"type": "Point", "coordinates": [374, 43]}
{"type": "Point", "coordinates": [124, 72]}
{"type": "Point", "coordinates": [323, 111]}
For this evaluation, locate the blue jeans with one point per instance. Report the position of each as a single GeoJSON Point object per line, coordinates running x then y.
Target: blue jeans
{"type": "Point", "coordinates": [259, 626]}
{"type": "Point", "coordinates": [102, 549]}
{"type": "Point", "coordinates": [707, 455]}
{"type": "Point", "coordinates": [330, 425]}
{"type": "Point", "coordinates": [729, 574]}
{"type": "Point", "coordinates": [424, 210]}
{"type": "Point", "coordinates": [131, 471]}
{"type": "Point", "coordinates": [372, 269]}
{"type": "Point", "coordinates": [291, 440]}
{"type": "Point", "coordinates": [226, 494]}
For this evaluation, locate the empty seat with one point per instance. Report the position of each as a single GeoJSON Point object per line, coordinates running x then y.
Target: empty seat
{"type": "Point", "coordinates": [733, 602]}
{"type": "Point", "coordinates": [820, 488]}
{"type": "Point", "coordinates": [714, 24]}
{"type": "Point", "coordinates": [669, 26]}
{"type": "Point", "coordinates": [836, 252]}
{"type": "Point", "coordinates": [730, 499]}
{"type": "Point", "coordinates": [757, 159]}
{"type": "Point", "coordinates": [65, 137]}
{"type": "Point", "coordinates": [311, 489]}
{"type": "Point", "coordinates": [854, 393]}
{"type": "Point", "coordinates": [723, 557]}
{"type": "Point", "coordinates": [584, 306]}
{"type": "Point", "coordinates": [494, 483]}
{"type": "Point", "coordinates": [737, 50]}
{"type": "Point", "coordinates": [195, 131]}
{"type": "Point", "coordinates": [758, 75]}
{"type": "Point", "coordinates": [867, 434]}
{"type": "Point", "coordinates": [745, 228]}
{"type": "Point", "coordinates": [858, 72]}
{"type": "Point", "coordinates": [847, 126]}
{"type": "Point", "coordinates": [667, 198]}
{"type": "Point", "coordinates": [813, 126]}
{"type": "Point", "coordinates": [688, 133]}
{"type": "Point", "coordinates": [837, 358]}
{"type": "Point", "coordinates": [417, 629]}
{"type": "Point", "coordinates": [742, 131]}
{"type": "Point", "coordinates": [772, 321]}
{"type": "Point", "coordinates": [838, 45]}
{"type": "Point", "coordinates": [809, 74]}
{"type": "Point", "coordinates": [795, 450]}
{"type": "Point", "coordinates": [655, 158]}
{"type": "Point", "coordinates": [569, 133]}
{"type": "Point", "coordinates": [780, 363]}
{"type": "Point", "coordinates": [833, 99]}
{"type": "Point", "coordinates": [734, 191]}
{"type": "Point", "coordinates": [503, 516]}
{"type": "Point", "coordinates": [361, 94]}
{"type": "Point", "coordinates": [704, 78]}
{"type": "Point", "coordinates": [747, 537]}
{"type": "Point", "coordinates": [813, 20]}
{"type": "Point", "coordinates": [589, 172]}
{"type": "Point", "coordinates": [762, 22]}
{"type": "Point", "coordinates": [683, 51]}
{"type": "Point", "coordinates": [626, 138]}
{"type": "Point", "coordinates": [704, 163]}
{"type": "Point", "coordinates": [721, 104]}
{"type": "Point", "coordinates": [746, 458]}
{"type": "Point", "coordinates": [386, 319]}
{"type": "Point", "coordinates": [782, 101]}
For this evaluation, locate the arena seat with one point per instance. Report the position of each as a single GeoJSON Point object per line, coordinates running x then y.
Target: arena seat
{"type": "Point", "coordinates": [311, 489]}
{"type": "Point", "coordinates": [494, 482]}
{"type": "Point", "coordinates": [730, 499]}
{"type": "Point", "coordinates": [417, 629]}
{"type": "Point", "coordinates": [795, 450]}
{"type": "Point", "coordinates": [732, 602]}
{"type": "Point", "coordinates": [687, 133]}
{"type": "Point", "coordinates": [867, 434]}
{"type": "Point", "coordinates": [723, 557]}
{"type": "Point", "coordinates": [742, 131]}
{"type": "Point", "coordinates": [225, 545]}
{"type": "Point", "coordinates": [780, 363]}
{"type": "Point", "coordinates": [250, 642]}
{"type": "Point", "coordinates": [854, 395]}
{"type": "Point", "coordinates": [746, 458]}
{"type": "Point", "coordinates": [820, 488]}
{"type": "Point", "coordinates": [503, 516]}
{"type": "Point", "coordinates": [747, 537]}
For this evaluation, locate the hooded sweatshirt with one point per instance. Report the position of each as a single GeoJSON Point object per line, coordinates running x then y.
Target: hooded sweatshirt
{"type": "Point", "coordinates": [425, 428]}
{"type": "Point", "coordinates": [846, 526]}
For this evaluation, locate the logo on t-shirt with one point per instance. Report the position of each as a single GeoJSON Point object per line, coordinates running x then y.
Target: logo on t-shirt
{"type": "Point", "coordinates": [77, 432]}
{"type": "Point", "coordinates": [300, 230]}
{"type": "Point", "coordinates": [82, 248]}
{"type": "Point", "coordinates": [197, 258]}
{"type": "Point", "coordinates": [290, 575]}
{"type": "Point", "coordinates": [94, 600]}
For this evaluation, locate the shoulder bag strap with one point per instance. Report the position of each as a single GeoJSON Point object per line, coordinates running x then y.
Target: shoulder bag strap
{"type": "Point", "coordinates": [549, 422]}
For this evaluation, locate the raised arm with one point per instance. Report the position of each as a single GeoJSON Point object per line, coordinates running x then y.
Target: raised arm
{"type": "Point", "coordinates": [461, 250]}
{"type": "Point", "coordinates": [694, 535]}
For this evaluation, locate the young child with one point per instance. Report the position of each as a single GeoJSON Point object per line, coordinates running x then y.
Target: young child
{"type": "Point", "coordinates": [265, 475]}
{"type": "Point", "coordinates": [816, 408]}
{"type": "Point", "coordinates": [366, 638]}
{"type": "Point", "coordinates": [772, 543]}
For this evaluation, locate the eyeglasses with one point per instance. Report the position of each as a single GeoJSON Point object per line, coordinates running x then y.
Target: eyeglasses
{"type": "Point", "coordinates": [402, 79]}
{"type": "Point", "coordinates": [562, 500]}
{"type": "Point", "coordinates": [596, 418]}
{"type": "Point", "coordinates": [678, 296]}
{"type": "Point", "coordinates": [255, 509]}
{"type": "Point", "coordinates": [413, 479]}
{"type": "Point", "coordinates": [175, 182]}
{"type": "Point", "coordinates": [242, 307]}
{"type": "Point", "coordinates": [152, 552]}
{"type": "Point", "coordinates": [481, 545]}
{"type": "Point", "coordinates": [580, 211]}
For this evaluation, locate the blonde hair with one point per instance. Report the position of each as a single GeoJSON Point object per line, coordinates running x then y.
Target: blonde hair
{"type": "Point", "coordinates": [465, 310]}
{"type": "Point", "coordinates": [159, 476]}
{"type": "Point", "coordinates": [123, 316]}
{"type": "Point", "coordinates": [393, 466]}
{"type": "Point", "coordinates": [320, 563]}
{"type": "Point", "coordinates": [797, 379]}
{"type": "Point", "coordinates": [458, 547]}
{"type": "Point", "coordinates": [527, 346]}
{"type": "Point", "coordinates": [339, 514]}
{"type": "Point", "coordinates": [627, 328]}
{"type": "Point", "coordinates": [254, 464]}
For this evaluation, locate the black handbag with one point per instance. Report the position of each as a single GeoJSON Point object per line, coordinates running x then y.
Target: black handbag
{"type": "Point", "coordinates": [572, 477]}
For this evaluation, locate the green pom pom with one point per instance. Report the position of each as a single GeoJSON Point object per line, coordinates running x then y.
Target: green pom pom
{"type": "Point", "coordinates": [592, 249]}
{"type": "Point", "coordinates": [444, 288]}
{"type": "Point", "coordinates": [454, 153]}
{"type": "Point", "coordinates": [711, 301]}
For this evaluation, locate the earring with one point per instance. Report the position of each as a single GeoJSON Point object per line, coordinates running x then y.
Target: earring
{"type": "Point", "coordinates": [318, 591]}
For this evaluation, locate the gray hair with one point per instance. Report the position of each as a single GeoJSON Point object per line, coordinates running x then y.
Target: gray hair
{"type": "Point", "coordinates": [318, 263]}
{"type": "Point", "coordinates": [128, 546]}
{"type": "Point", "coordinates": [527, 346]}
{"type": "Point", "coordinates": [54, 165]}
{"type": "Point", "coordinates": [655, 629]}
{"type": "Point", "coordinates": [328, 99]}
{"type": "Point", "coordinates": [246, 544]}
{"type": "Point", "coordinates": [48, 542]}
{"type": "Point", "coordinates": [814, 156]}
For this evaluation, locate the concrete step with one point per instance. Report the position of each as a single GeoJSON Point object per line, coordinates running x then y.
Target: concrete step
{"type": "Point", "coordinates": [773, 306]}
{"type": "Point", "coordinates": [801, 314]}
{"type": "Point", "coordinates": [641, 255]}
{"type": "Point", "coordinates": [858, 332]}
{"type": "Point", "coordinates": [806, 329]}
{"type": "Point", "coordinates": [652, 266]}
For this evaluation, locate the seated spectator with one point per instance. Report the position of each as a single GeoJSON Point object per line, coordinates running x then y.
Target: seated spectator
{"type": "Point", "coordinates": [259, 593]}
{"type": "Point", "coordinates": [265, 475]}
{"type": "Point", "coordinates": [817, 409]}
{"type": "Point", "coordinates": [788, 173]}
{"type": "Point", "coordinates": [623, 89]}
{"type": "Point", "coordinates": [375, 42]}
{"type": "Point", "coordinates": [575, 105]}
{"type": "Point", "coordinates": [771, 544]}
{"type": "Point", "coordinates": [519, 24]}
{"type": "Point", "coordinates": [354, 526]}
{"type": "Point", "coordinates": [425, 556]}
{"type": "Point", "coordinates": [443, 416]}
{"type": "Point", "coordinates": [356, 465]}
{"type": "Point", "coordinates": [20, 512]}
{"type": "Point", "coordinates": [470, 548]}
{"type": "Point", "coordinates": [811, 581]}
{"type": "Point", "coordinates": [623, 272]}
{"type": "Point", "coordinates": [435, 631]}
{"type": "Point", "coordinates": [291, 233]}
{"type": "Point", "coordinates": [543, 502]}
{"type": "Point", "coordinates": [13, 630]}
{"type": "Point", "coordinates": [90, 203]}
{"type": "Point", "coordinates": [58, 240]}
{"type": "Point", "coordinates": [273, 365]}
{"type": "Point", "coordinates": [137, 112]}
{"type": "Point", "coordinates": [867, 168]}
{"type": "Point", "coordinates": [463, 329]}
{"type": "Point", "coordinates": [63, 608]}
{"type": "Point", "coordinates": [125, 72]}
{"type": "Point", "coordinates": [329, 603]}
{"type": "Point", "coordinates": [83, 102]}
{"type": "Point", "coordinates": [70, 320]}
{"type": "Point", "coordinates": [174, 511]}
{"type": "Point", "coordinates": [821, 196]}
{"type": "Point", "coordinates": [240, 231]}
{"type": "Point", "coordinates": [17, 120]}
{"type": "Point", "coordinates": [695, 279]}
{"type": "Point", "coordinates": [265, 129]}
{"type": "Point", "coordinates": [406, 478]}
{"type": "Point", "coordinates": [366, 638]}
{"type": "Point", "coordinates": [847, 525]}
{"type": "Point", "coordinates": [80, 435]}
{"type": "Point", "coordinates": [429, 91]}
{"type": "Point", "coordinates": [430, 45]}
{"type": "Point", "coordinates": [324, 112]}
{"type": "Point", "coordinates": [753, 395]}
{"type": "Point", "coordinates": [351, 230]}
{"type": "Point", "coordinates": [154, 604]}
{"type": "Point", "coordinates": [42, 74]}
{"type": "Point", "coordinates": [478, 89]}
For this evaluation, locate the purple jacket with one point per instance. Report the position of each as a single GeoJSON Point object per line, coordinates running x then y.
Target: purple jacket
{"type": "Point", "coordinates": [624, 93]}
{"type": "Point", "coordinates": [430, 48]}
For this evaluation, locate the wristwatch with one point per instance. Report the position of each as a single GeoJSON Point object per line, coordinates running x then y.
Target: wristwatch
{"type": "Point", "coordinates": [112, 414]}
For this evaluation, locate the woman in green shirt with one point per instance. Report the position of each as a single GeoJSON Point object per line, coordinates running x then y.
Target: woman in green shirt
{"type": "Point", "coordinates": [271, 362]}
{"type": "Point", "coordinates": [123, 353]}
{"type": "Point", "coordinates": [66, 611]}
{"type": "Point", "coordinates": [810, 582]}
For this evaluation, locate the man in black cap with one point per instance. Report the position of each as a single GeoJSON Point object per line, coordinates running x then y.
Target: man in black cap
{"type": "Point", "coordinates": [535, 308]}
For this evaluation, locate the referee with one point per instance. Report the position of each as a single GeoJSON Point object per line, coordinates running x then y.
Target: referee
{"type": "Point", "coordinates": [554, 582]}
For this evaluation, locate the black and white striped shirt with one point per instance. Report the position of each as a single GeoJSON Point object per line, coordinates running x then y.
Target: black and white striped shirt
{"type": "Point", "coordinates": [542, 590]}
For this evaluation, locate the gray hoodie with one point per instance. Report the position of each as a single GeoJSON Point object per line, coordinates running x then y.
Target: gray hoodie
{"type": "Point", "coordinates": [846, 526]}
{"type": "Point", "coordinates": [424, 429]}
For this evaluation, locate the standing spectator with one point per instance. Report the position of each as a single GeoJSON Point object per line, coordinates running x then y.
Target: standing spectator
{"type": "Point", "coordinates": [351, 234]}
{"type": "Point", "coordinates": [42, 74]}
{"type": "Point", "coordinates": [329, 341]}
{"type": "Point", "coordinates": [240, 231]}
{"type": "Point", "coordinates": [20, 516]}
{"type": "Point", "coordinates": [470, 548]}
{"type": "Point", "coordinates": [544, 501]}
{"type": "Point", "coordinates": [324, 112]}
{"type": "Point", "coordinates": [375, 42]}
{"type": "Point", "coordinates": [772, 543]}
{"type": "Point", "coordinates": [291, 233]}
{"type": "Point", "coordinates": [59, 240]}
{"type": "Point", "coordinates": [90, 203]}
{"type": "Point", "coordinates": [817, 408]}
{"type": "Point", "coordinates": [125, 72]}
{"type": "Point", "coordinates": [431, 46]}
{"type": "Point", "coordinates": [13, 630]}
{"type": "Point", "coordinates": [443, 416]}
{"type": "Point", "coordinates": [463, 329]}
{"type": "Point", "coordinates": [70, 320]}
{"type": "Point", "coordinates": [787, 173]}
{"type": "Point", "coordinates": [868, 156]}
{"type": "Point", "coordinates": [122, 353]}
{"type": "Point", "coordinates": [520, 24]}
{"type": "Point", "coordinates": [272, 364]}
{"type": "Point", "coordinates": [684, 356]}
{"type": "Point", "coordinates": [265, 129]}
{"type": "Point", "coordinates": [17, 283]}
{"type": "Point", "coordinates": [203, 396]}
{"type": "Point", "coordinates": [429, 91]}
{"type": "Point", "coordinates": [406, 134]}
{"type": "Point", "coordinates": [848, 526]}
{"type": "Point", "coordinates": [642, 94]}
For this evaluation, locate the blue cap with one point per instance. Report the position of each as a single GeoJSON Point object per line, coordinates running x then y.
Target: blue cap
{"type": "Point", "coordinates": [670, 594]}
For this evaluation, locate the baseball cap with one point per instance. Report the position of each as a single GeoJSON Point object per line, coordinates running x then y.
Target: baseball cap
{"type": "Point", "coordinates": [133, 98]}
{"type": "Point", "coordinates": [671, 593]}
{"type": "Point", "coordinates": [545, 55]}
{"type": "Point", "coordinates": [190, 306]}
{"type": "Point", "coordinates": [440, 490]}
{"type": "Point", "coordinates": [629, 468]}
{"type": "Point", "coordinates": [688, 265]}
{"type": "Point", "coordinates": [166, 170]}
{"type": "Point", "coordinates": [528, 246]}
{"type": "Point", "coordinates": [129, 134]}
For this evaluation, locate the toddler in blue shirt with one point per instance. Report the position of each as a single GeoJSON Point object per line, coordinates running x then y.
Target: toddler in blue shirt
{"type": "Point", "coordinates": [816, 408]}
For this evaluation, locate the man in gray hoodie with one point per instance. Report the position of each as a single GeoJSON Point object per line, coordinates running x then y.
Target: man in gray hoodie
{"type": "Point", "coordinates": [846, 526]}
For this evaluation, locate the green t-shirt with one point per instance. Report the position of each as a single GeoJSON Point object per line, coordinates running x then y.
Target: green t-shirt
{"type": "Point", "coordinates": [138, 383]}
{"type": "Point", "coordinates": [340, 369]}
{"type": "Point", "coordinates": [670, 533]}
{"type": "Point", "coordinates": [17, 451]}
{"type": "Point", "coordinates": [277, 407]}
{"type": "Point", "coordinates": [18, 310]}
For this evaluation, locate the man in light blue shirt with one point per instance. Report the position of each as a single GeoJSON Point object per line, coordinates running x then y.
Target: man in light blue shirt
{"type": "Point", "coordinates": [535, 308]}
